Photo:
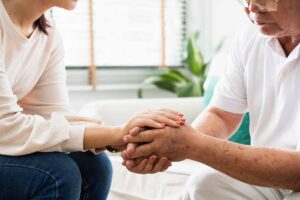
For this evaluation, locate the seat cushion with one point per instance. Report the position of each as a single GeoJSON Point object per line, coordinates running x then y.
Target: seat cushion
{"type": "Point", "coordinates": [165, 185]}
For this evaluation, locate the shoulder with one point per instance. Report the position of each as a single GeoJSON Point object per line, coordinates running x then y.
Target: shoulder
{"type": "Point", "coordinates": [54, 40]}
{"type": "Point", "coordinates": [246, 37]}
{"type": "Point", "coordinates": [53, 34]}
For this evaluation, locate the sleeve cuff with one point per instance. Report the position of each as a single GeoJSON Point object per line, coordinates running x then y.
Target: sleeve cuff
{"type": "Point", "coordinates": [228, 105]}
{"type": "Point", "coordinates": [75, 142]}
{"type": "Point", "coordinates": [97, 151]}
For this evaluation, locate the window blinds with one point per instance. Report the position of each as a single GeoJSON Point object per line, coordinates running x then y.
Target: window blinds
{"type": "Point", "coordinates": [126, 32]}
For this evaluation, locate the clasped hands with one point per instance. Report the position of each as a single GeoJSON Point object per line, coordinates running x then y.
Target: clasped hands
{"type": "Point", "coordinates": [154, 139]}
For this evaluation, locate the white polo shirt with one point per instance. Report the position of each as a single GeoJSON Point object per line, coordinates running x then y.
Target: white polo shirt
{"type": "Point", "coordinates": [262, 80]}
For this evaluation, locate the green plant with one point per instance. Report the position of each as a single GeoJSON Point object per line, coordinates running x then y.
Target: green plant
{"type": "Point", "coordinates": [189, 81]}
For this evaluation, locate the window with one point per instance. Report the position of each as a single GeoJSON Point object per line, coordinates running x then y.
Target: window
{"type": "Point", "coordinates": [125, 32]}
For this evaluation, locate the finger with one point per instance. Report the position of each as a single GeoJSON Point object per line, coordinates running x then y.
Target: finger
{"type": "Point", "coordinates": [147, 122]}
{"type": "Point", "coordinates": [133, 163]}
{"type": "Point", "coordinates": [162, 120]}
{"type": "Point", "coordinates": [144, 150]}
{"type": "Point", "coordinates": [124, 155]}
{"type": "Point", "coordinates": [135, 131]}
{"type": "Point", "coordinates": [140, 167]}
{"type": "Point", "coordinates": [146, 136]}
{"type": "Point", "coordinates": [171, 115]}
{"type": "Point", "coordinates": [167, 165]}
{"type": "Point", "coordinates": [129, 163]}
{"type": "Point", "coordinates": [175, 117]}
{"type": "Point", "coordinates": [131, 147]}
{"type": "Point", "coordinates": [149, 167]}
{"type": "Point", "coordinates": [160, 165]}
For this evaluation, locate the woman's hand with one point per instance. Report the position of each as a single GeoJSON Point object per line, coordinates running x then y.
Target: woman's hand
{"type": "Point", "coordinates": [156, 119]}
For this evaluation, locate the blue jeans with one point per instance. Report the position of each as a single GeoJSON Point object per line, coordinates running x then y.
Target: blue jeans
{"type": "Point", "coordinates": [49, 176]}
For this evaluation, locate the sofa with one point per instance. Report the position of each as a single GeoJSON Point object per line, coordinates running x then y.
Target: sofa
{"type": "Point", "coordinates": [127, 185]}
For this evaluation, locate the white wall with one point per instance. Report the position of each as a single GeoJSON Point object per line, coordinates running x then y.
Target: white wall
{"type": "Point", "coordinates": [214, 19]}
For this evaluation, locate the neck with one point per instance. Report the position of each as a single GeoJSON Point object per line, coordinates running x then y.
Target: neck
{"type": "Point", "coordinates": [25, 13]}
{"type": "Point", "coordinates": [289, 43]}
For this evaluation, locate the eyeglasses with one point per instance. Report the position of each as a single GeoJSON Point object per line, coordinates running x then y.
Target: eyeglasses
{"type": "Point", "coordinates": [266, 5]}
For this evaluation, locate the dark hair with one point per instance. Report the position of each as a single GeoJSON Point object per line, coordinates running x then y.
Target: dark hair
{"type": "Point", "coordinates": [42, 24]}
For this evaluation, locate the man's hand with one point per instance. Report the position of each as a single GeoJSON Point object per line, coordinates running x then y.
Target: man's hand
{"type": "Point", "coordinates": [150, 165]}
{"type": "Point", "coordinates": [155, 119]}
{"type": "Point", "coordinates": [169, 142]}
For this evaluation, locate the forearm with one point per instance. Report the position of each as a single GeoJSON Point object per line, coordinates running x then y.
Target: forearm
{"type": "Point", "coordinates": [217, 123]}
{"type": "Point", "coordinates": [211, 124]}
{"type": "Point", "coordinates": [257, 166]}
{"type": "Point", "coordinates": [101, 136]}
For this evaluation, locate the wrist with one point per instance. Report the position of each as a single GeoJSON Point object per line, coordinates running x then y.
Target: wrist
{"type": "Point", "coordinates": [117, 136]}
{"type": "Point", "coordinates": [196, 143]}
{"type": "Point", "coordinates": [100, 137]}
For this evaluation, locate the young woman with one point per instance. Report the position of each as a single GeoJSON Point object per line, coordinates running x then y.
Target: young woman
{"type": "Point", "coordinates": [37, 124]}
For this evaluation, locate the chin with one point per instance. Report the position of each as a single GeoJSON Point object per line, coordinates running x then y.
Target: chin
{"type": "Point", "coordinates": [270, 30]}
{"type": "Point", "coordinates": [69, 5]}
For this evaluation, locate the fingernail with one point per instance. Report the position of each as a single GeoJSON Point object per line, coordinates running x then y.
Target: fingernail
{"type": "Point", "coordinates": [125, 139]}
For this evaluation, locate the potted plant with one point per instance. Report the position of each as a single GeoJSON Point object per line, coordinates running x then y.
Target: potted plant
{"type": "Point", "coordinates": [186, 82]}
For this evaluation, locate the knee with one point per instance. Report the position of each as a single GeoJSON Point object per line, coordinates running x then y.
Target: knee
{"type": "Point", "coordinates": [65, 175]}
{"type": "Point", "coordinates": [94, 167]}
{"type": "Point", "coordinates": [293, 196]}
{"type": "Point", "coordinates": [201, 183]}
{"type": "Point", "coordinates": [102, 168]}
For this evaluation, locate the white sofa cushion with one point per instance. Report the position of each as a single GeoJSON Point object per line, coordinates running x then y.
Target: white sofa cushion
{"type": "Point", "coordinates": [116, 112]}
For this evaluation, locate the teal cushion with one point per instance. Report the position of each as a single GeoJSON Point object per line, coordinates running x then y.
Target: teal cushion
{"type": "Point", "coordinates": [242, 135]}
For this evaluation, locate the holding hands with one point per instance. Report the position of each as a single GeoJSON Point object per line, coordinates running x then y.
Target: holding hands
{"type": "Point", "coordinates": [150, 137]}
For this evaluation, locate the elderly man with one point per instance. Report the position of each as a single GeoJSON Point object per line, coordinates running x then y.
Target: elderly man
{"type": "Point", "coordinates": [262, 77]}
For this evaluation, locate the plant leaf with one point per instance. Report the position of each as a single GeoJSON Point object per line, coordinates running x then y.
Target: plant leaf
{"type": "Point", "coordinates": [179, 75]}
{"type": "Point", "coordinates": [195, 59]}
{"type": "Point", "coordinates": [140, 93]}
{"type": "Point", "coordinates": [162, 82]}
{"type": "Point", "coordinates": [185, 91]}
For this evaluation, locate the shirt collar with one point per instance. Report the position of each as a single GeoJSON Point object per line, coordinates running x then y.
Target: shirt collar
{"type": "Point", "coordinates": [276, 47]}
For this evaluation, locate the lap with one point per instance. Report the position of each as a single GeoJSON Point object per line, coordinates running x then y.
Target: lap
{"type": "Point", "coordinates": [208, 183]}
{"type": "Point", "coordinates": [96, 172]}
{"type": "Point", "coordinates": [293, 196]}
{"type": "Point", "coordinates": [57, 175]}
{"type": "Point", "coordinates": [44, 174]}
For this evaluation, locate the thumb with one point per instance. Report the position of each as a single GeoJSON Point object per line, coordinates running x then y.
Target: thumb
{"type": "Point", "coordinates": [135, 131]}
{"type": "Point", "coordinates": [131, 147]}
